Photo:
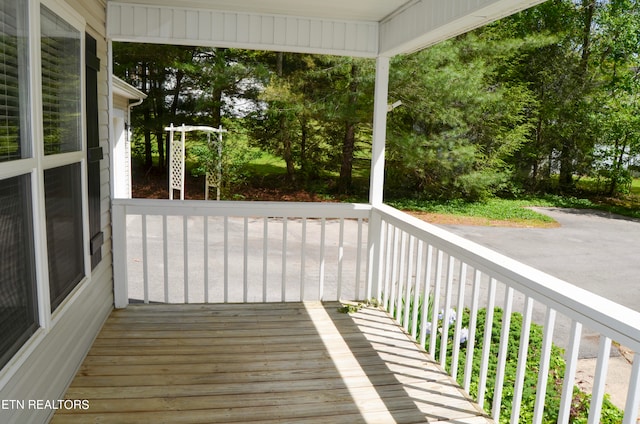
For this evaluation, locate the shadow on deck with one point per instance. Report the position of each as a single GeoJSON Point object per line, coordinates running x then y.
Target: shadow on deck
{"type": "Point", "coordinates": [267, 363]}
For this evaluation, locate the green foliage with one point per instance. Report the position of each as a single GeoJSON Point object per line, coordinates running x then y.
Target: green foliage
{"type": "Point", "coordinates": [494, 209]}
{"type": "Point", "coordinates": [581, 401]}
{"type": "Point", "coordinates": [351, 308]}
{"type": "Point", "coordinates": [532, 103]}
{"type": "Point", "coordinates": [517, 209]}
{"type": "Point", "coordinates": [456, 130]}
{"type": "Point", "coordinates": [232, 163]}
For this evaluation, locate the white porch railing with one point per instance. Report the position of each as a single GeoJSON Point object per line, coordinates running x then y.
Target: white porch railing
{"type": "Point", "coordinates": [201, 252]}
{"type": "Point", "coordinates": [421, 261]}
{"type": "Point", "coordinates": [193, 251]}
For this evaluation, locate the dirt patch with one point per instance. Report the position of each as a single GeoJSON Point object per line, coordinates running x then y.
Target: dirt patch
{"type": "Point", "coordinates": [444, 219]}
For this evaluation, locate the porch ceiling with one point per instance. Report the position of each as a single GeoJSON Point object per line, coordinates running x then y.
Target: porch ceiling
{"type": "Point", "coordinates": [365, 10]}
{"type": "Point", "coordinates": [367, 28]}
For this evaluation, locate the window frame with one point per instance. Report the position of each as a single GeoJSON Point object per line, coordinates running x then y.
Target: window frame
{"type": "Point", "coordinates": [74, 19]}
{"type": "Point", "coordinates": [36, 164]}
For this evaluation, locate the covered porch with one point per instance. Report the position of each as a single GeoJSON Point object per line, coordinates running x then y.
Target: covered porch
{"type": "Point", "coordinates": [268, 363]}
{"type": "Point", "coordinates": [250, 267]}
{"type": "Point", "coordinates": [237, 304]}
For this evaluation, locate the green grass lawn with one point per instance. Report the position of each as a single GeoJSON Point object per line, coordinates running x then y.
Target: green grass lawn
{"type": "Point", "coordinates": [492, 209]}
{"type": "Point", "coordinates": [516, 210]}
{"type": "Point", "coordinates": [267, 164]}
{"type": "Point", "coordinates": [635, 187]}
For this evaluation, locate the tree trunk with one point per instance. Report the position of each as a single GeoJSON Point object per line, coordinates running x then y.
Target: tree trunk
{"type": "Point", "coordinates": [283, 132]}
{"type": "Point", "coordinates": [568, 151]}
{"type": "Point", "coordinates": [348, 146]}
{"type": "Point", "coordinates": [148, 159]}
{"type": "Point", "coordinates": [303, 148]}
{"type": "Point", "coordinates": [589, 9]}
{"type": "Point", "coordinates": [161, 155]}
{"type": "Point", "coordinates": [566, 166]}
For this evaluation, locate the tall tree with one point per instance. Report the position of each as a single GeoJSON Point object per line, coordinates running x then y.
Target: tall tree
{"type": "Point", "coordinates": [618, 114]}
{"type": "Point", "coordinates": [155, 70]}
{"type": "Point", "coordinates": [457, 126]}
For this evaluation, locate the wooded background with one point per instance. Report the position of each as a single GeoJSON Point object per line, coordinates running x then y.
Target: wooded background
{"type": "Point", "coordinates": [530, 103]}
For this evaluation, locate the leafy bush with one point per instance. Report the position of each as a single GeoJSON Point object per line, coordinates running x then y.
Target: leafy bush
{"type": "Point", "coordinates": [232, 163]}
{"type": "Point", "coordinates": [581, 401]}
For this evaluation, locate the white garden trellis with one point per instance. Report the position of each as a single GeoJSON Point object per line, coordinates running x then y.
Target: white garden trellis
{"type": "Point", "coordinates": [177, 159]}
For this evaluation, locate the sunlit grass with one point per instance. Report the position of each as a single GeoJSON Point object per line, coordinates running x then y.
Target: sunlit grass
{"type": "Point", "coordinates": [267, 164]}
{"type": "Point", "coordinates": [492, 209]}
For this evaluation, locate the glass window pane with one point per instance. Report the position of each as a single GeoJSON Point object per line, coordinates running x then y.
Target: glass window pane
{"type": "Point", "coordinates": [61, 88]}
{"type": "Point", "coordinates": [14, 85]}
{"type": "Point", "coordinates": [18, 313]}
{"type": "Point", "coordinates": [63, 204]}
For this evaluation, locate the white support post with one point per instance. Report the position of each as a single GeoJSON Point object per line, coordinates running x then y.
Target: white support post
{"type": "Point", "coordinates": [380, 108]}
{"type": "Point", "coordinates": [119, 236]}
{"type": "Point", "coordinates": [376, 182]}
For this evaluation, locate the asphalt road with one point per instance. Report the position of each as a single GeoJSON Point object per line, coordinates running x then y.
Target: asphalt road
{"type": "Point", "coordinates": [594, 250]}
{"type": "Point", "coordinates": [597, 251]}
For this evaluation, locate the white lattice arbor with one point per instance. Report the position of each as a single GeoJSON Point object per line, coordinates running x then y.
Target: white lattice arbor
{"type": "Point", "coordinates": [177, 159]}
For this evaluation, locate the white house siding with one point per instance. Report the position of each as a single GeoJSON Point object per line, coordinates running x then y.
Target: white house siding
{"type": "Point", "coordinates": [48, 362]}
{"type": "Point", "coordinates": [426, 22]}
{"type": "Point", "coordinates": [204, 27]}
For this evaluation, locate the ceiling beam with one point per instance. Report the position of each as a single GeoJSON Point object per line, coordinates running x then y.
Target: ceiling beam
{"type": "Point", "coordinates": [427, 22]}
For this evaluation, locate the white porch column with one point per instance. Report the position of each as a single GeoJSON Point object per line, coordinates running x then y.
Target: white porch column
{"type": "Point", "coordinates": [119, 239]}
{"type": "Point", "coordinates": [376, 180]}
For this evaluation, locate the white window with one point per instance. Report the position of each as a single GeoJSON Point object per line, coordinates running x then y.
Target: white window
{"type": "Point", "coordinates": [61, 76]}
{"type": "Point", "coordinates": [43, 249]}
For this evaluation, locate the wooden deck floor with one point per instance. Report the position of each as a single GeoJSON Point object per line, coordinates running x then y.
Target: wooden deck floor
{"type": "Point", "coordinates": [266, 363]}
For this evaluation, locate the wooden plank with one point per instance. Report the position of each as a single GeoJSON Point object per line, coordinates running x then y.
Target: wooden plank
{"type": "Point", "coordinates": [261, 363]}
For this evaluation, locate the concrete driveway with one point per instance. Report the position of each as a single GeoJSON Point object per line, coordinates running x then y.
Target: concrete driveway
{"type": "Point", "coordinates": [597, 251]}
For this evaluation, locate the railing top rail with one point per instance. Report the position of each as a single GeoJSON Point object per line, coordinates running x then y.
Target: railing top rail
{"type": "Point", "coordinates": [611, 319]}
{"type": "Point", "coordinates": [243, 208]}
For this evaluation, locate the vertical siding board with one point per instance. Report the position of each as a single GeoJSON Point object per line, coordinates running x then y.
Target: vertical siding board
{"type": "Point", "coordinates": [191, 19]}
{"type": "Point", "coordinates": [179, 30]}
{"type": "Point", "coordinates": [315, 34]}
{"type": "Point", "coordinates": [153, 22]}
{"type": "Point", "coordinates": [115, 16]}
{"type": "Point", "coordinates": [255, 29]}
{"type": "Point", "coordinates": [291, 30]}
{"type": "Point", "coordinates": [372, 39]}
{"type": "Point", "coordinates": [327, 34]}
{"type": "Point", "coordinates": [140, 20]}
{"type": "Point", "coordinates": [166, 21]}
{"type": "Point", "coordinates": [280, 27]}
{"type": "Point", "coordinates": [267, 29]}
{"type": "Point", "coordinates": [204, 26]}
{"type": "Point", "coordinates": [304, 33]}
{"type": "Point", "coordinates": [218, 26]}
{"type": "Point", "coordinates": [351, 37]}
{"type": "Point", "coordinates": [127, 23]}
{"type": "Point", "coordinates": [242, 29]}
{"type": "Point", "coordinates": [339, 33]}
{"type": "Point", "coordinates": [361, 37]}
{"type": "Point", "coordinates": [230, 27]}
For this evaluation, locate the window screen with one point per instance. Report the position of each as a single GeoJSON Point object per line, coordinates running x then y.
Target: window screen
{"type": "Point", "coordinates": [63, 204]}
{"type": "Point", "coordinates": [61, 84]}
{"type": "Point", "coordinates": [13, 81]}
{"type": "Point", "coordinates": [18, 313]}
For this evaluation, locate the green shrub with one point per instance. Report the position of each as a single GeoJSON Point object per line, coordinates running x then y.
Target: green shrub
{"type": "Point", "coordinates": [581, 400]}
